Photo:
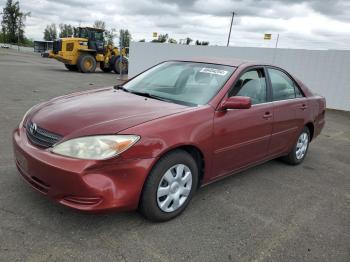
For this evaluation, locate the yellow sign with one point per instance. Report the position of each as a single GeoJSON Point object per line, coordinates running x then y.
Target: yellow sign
{"type": "Point", "coordinates": [155, 34]}
{"type": "Point", "coordinates": [267, 36]}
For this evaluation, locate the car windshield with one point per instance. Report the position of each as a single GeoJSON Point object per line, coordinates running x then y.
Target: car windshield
{"type": "Point", "coordinates": [188, 83]}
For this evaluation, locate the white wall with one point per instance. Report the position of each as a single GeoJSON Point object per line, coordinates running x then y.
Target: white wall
{"type": "Point", "coordinates": [326, 72]}
{"type": "Point", "coordinates": [21, 48]}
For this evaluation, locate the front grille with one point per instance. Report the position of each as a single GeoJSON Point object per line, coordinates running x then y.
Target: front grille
{"type": "Point", "coordinates": [41, 137]}
{"type": "Point", "coordinates": [57, 46]}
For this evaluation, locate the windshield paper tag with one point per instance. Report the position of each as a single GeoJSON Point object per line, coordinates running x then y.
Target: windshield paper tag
{"type": "Point", "coordinates": [213, 71]}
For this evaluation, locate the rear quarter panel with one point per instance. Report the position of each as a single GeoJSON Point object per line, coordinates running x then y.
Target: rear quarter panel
{"type": "Point", "coordinates": [318, 107]}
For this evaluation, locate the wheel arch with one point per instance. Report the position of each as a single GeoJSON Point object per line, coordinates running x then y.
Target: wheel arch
{"type": "Point", "coordinates": [311, 128]}
{"type": "Point", "coordinates": [195, 152]}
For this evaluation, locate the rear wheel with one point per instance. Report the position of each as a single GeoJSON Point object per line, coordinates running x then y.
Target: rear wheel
{"type": "Point", "coordinates": [299, 151]}
{"type": "Point", "coordinates": [71, 67]}
{"type": "Point", "coordinates": [105, 69]}
{"type": "Point", "coordinates": [87, 63]}
{"type": "Point", "coordinates": [117, 67]}
{"type": "Point", "coordinates": [169, 187]}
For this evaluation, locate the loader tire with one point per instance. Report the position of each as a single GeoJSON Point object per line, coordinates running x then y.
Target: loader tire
{"type": "Point", "coordinates": [115, 65]}
{"type": "Point", "coordinates": [71, 67]}
{"type": "Point", "coordinates": [105, 69]}
{"type": "Point", "coordinates": [86, 63]}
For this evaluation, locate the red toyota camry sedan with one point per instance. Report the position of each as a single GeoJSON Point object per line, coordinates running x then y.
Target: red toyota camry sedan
{"type": "Point", "coordinates": [151, 142]}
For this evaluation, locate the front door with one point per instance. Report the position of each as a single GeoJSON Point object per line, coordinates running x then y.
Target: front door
{"type": "Point", "coordinates": [242, 136]}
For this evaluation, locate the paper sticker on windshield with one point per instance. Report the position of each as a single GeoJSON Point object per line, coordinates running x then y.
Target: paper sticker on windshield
{"type": "Point", "coordinates": [213, 71]}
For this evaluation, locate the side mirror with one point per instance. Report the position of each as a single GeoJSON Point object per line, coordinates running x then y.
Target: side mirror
{"type": "Point", "coordinates": [236, 102]}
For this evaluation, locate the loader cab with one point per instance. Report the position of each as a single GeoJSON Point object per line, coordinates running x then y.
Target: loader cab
{"type": "Point", "coordinates": [94, 35]}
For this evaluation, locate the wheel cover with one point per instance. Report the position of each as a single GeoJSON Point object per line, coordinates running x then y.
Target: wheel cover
{"type": "Point", "coordinates": [88, 64]}
{"type": "Point", "coordinates": [174, 188]}
{"type": "Point", "coordinates": [302, 144]}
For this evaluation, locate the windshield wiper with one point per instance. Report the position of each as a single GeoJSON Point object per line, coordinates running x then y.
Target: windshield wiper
{"type": "Point", "coordinates": [120, 87]}
{"type": "Point", "coordinates": [146, 94]}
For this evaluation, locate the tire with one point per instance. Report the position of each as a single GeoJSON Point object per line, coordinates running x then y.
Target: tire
{"type": "Point", "coordinates": [299, 151]}
{"type": "Point", "coordinates": [167, 191]}
{"type": "Point", "coordinates": [115, 65]}
{"type": "Point", "coordinates": [71, 67]}
{"type": "Point", "coordinates": [86, 63]}
{"type": "Point", "coordinates": [105, 69]}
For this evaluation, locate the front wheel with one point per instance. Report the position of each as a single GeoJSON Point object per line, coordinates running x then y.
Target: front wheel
{"type": "Point", "coordinates": [105, 68]}
{"type": "Point", "coordinates": [169, 187]}
{"type": "Point", "coordinates": [299, 151]}
{"type": "Point", "coordinates": [120, 66]}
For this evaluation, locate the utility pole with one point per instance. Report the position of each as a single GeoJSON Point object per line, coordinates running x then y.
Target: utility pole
{"type": "Point", "coordinates": [229, 34]}
{"type": "Point", "coordinates": [278, 37]}
{"type": "Point", "coordinates": [274, 51]}
{"type": "Point", "coordinates": [120, 54]}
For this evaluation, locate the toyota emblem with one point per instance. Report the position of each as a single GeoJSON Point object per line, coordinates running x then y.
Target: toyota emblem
{"type": "Point", "coordinates": [33, 128]}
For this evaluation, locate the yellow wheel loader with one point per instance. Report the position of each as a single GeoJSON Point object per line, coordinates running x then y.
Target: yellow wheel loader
{"type": "Point", "coordinates": [86, 50]}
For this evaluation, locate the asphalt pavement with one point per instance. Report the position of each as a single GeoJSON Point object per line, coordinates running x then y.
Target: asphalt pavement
{"type": "Point", "coordinates": [272, 212]}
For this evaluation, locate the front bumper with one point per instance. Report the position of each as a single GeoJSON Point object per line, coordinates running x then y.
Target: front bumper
{"type": "Point", "coordinates": [88, 185]}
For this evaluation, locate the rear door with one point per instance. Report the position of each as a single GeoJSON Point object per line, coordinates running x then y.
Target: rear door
{"type": "Point", "coordinates": [242, 136]}
{"type": "Point", "coordinates": [289, 109]}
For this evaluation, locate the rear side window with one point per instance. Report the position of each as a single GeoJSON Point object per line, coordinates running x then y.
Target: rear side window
{"type": "Point", "coordinates": [283, 87]}
{"type": "Point", "coordinates": [251, 84]}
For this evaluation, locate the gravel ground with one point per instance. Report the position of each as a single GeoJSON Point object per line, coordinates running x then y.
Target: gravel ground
{"type": "Point", "coordinates": [272, 212]}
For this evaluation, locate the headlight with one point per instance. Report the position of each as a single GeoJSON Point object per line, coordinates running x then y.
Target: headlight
{"type": "Point", "coordinates": [95, 147]}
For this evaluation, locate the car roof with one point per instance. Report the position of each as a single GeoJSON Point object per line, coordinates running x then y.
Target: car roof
{"type": "Point", "coordinates": [223, 61]}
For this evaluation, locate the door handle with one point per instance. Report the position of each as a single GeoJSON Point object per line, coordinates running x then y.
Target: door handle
{"type": "Point", "coordinates": [303, 107]}
{"type": "Point", "coordinates": [267, 115]}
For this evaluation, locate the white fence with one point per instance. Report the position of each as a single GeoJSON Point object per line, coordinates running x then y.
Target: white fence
{"type": "Point", "coordinates": [326, 72]}
{"type": "Point", "coordinates": [21, 48]}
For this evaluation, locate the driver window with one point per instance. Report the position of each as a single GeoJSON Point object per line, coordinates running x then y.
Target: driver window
{"type": "Point", "coordinates": [251, 84]}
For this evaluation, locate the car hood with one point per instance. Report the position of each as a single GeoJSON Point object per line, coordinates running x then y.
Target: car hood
{"type": "Point", "coordinates": [101, 111]}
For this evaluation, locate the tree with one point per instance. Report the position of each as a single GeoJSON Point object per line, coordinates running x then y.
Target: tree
{"type": "Point", "coordinates": [50, 32]}
{"type": "Point", "coordinates": [99, 24]}
{"type": "Point", "coordinates": [188, 40]}
{"type": "Point", "coordinates": [162, 38]}
{"type": "Point", "coordinates": [202, 42]}
{"type": "Point", "coordinates": [66, 30]}
{"type": "Point", "coordinates": [125, 37]}
{"type": "Point", "coordinates": [13, 22]}
{"type": "Point", "coordinates": [172, 41]}
{"type": "Point", "coordinates": [110, 35]}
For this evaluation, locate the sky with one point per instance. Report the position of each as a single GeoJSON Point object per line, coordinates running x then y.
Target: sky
{"type": "Point", "coordinates": [305, 24]}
